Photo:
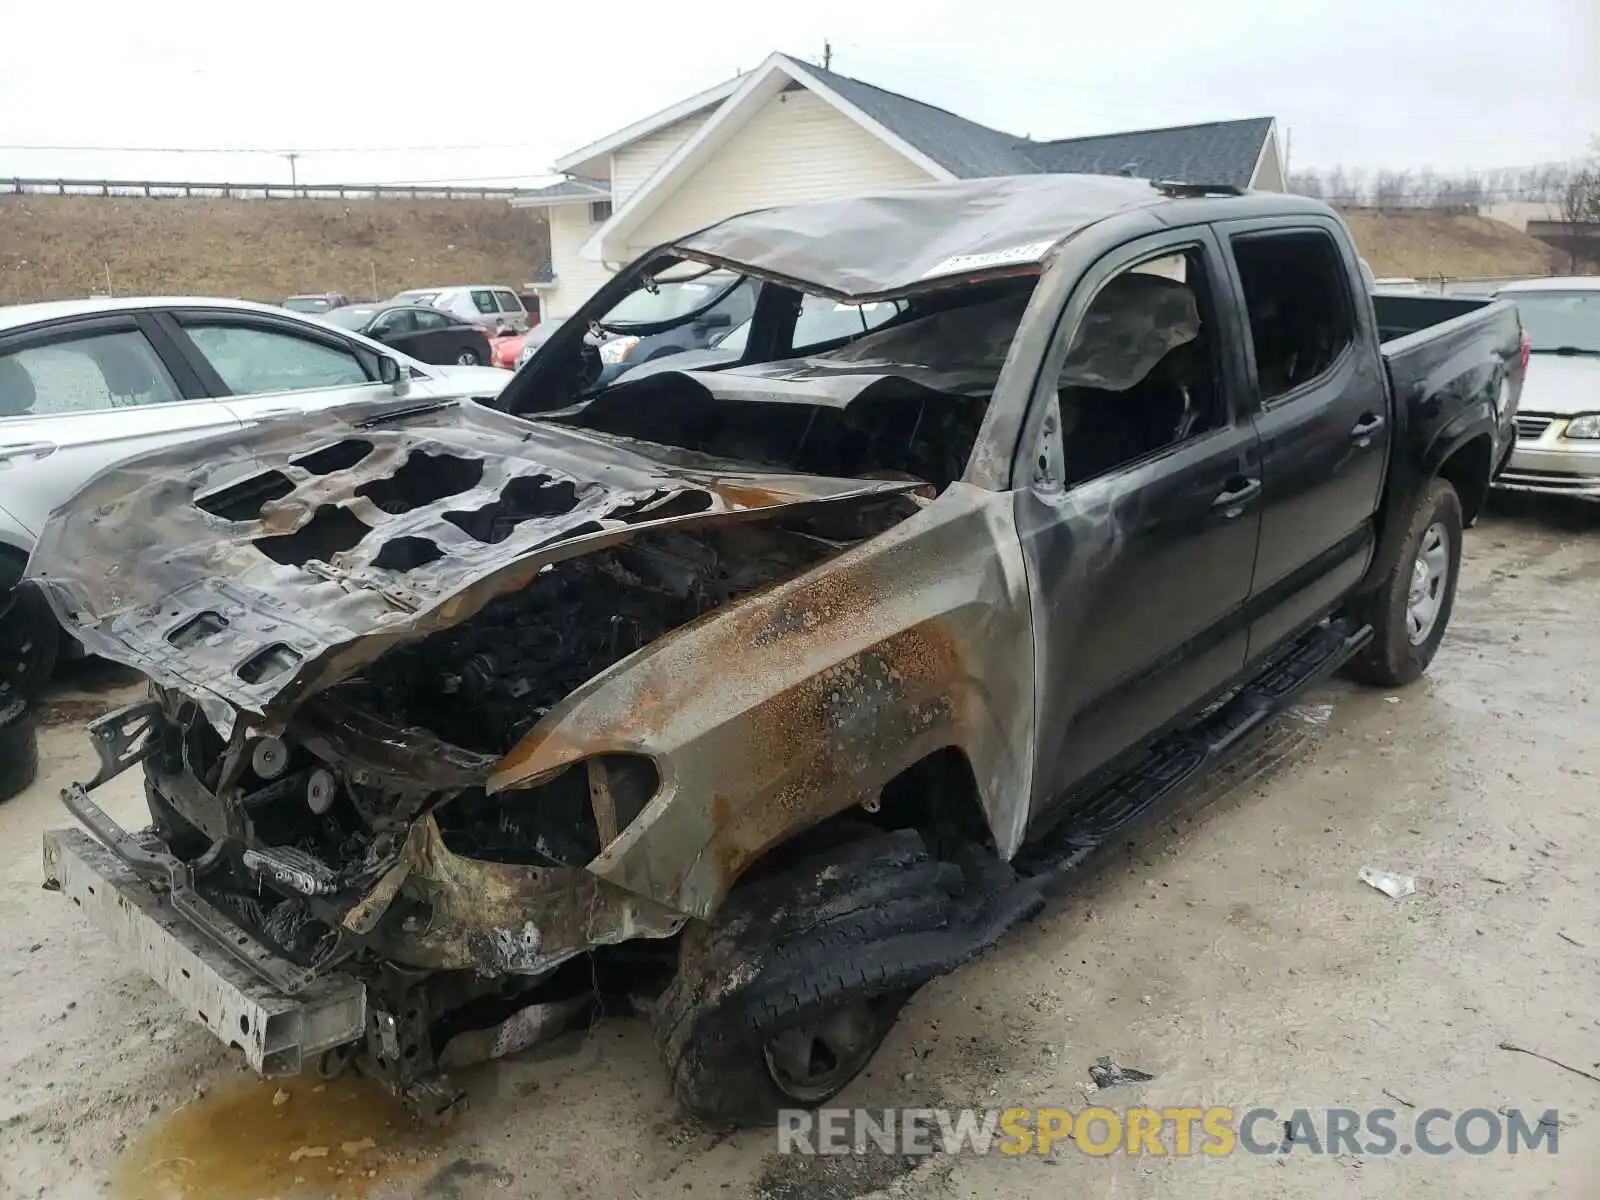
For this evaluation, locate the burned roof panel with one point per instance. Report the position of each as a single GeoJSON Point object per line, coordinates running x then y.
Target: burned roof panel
{"type": "Point", "coordinates": [897, 241]}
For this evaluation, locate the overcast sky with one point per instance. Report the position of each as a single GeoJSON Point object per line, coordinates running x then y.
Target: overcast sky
{"type": "Point", "coordinates": [1371, 83]}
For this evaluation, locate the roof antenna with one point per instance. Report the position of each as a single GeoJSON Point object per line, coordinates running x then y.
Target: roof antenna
{"type": "Point", "coordinates": [827, 54]}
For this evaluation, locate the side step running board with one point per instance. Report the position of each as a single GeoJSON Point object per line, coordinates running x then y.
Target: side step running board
{"type": "Point", "coordinates": [1202, 744]}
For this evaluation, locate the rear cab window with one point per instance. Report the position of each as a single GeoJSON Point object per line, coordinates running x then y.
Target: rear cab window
{"type": "Point", "coordinates": [1297, 299]}
{"type": "Point", "coordinates": [509, 302]}
{"type": "Point", "coordinates": [483, 301]}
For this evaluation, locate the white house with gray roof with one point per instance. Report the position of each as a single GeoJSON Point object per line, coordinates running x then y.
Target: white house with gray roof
{"type": "Point", "coordinates": [790, 132]}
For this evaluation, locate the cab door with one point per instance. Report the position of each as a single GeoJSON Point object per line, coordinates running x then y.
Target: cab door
{"type": "Point", "coordinates": [1322, 413]}
{"type": "Point", "coordinates": [1140, 524]}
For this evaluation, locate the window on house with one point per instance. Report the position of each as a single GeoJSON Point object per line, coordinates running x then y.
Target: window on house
{"type": "Point", "coordinates": [599, 212]}
{"type": "Point", "coordinates": [1298, 300]}
{"type": "Point", "coordinates": [1141, 374]}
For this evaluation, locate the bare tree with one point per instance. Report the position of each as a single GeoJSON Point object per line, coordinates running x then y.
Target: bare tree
{"type": "Point", "coordinates": [1389, 189]}
{"type": "Point", "coordinates": [1306, 183]}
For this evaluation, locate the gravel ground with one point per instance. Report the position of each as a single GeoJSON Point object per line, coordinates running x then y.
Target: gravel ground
{"type": "Point", "coordinates": [1231, 952]}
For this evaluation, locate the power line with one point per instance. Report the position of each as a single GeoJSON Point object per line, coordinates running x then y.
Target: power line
{"type": "Point", "coordinates": [265, 149]}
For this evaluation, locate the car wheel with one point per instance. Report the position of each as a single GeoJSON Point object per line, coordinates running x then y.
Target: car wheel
{"type": "Point", "coordinates": [29, 635]}
{"type": "Point", "coordinates": [19, 745]}
{"type": "Point", "coordinates": [1411, 608]}
{"type": "Point", "coordinates": [783, 997]}
{"type": "Point", "coordinates": [467, 357]}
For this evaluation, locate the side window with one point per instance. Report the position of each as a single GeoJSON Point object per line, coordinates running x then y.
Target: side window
{"type": "Point", "coordinates": [483, 301]}
{"type": "Point", "coordinates": [1142, 372]}
{"type": "Point", "coordinates": [509, 302]}
{"type": "Point", "coordinates": [1298, 301]}
{"type": "Point", "coordinates": [252, 359]}
{"type": "Point", "coordinates": [823, 320]}
{"type": "Point", "coordinates": [430, 320]}
{"type": "Point", "coordinates": [396, 320]}
{"type": "Point", "coordinates": [85, 374]}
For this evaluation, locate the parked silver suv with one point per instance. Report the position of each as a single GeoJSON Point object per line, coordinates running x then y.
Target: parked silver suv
{"type": "Point", "coordinates": [494, 306]}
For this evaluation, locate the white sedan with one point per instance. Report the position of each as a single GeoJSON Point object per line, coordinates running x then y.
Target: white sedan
{"type": "Point", "coordinates": [86, 383]}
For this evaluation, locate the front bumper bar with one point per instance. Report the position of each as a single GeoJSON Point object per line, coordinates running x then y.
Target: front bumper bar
{"type": "Point", "coordinates": [277, 1032]}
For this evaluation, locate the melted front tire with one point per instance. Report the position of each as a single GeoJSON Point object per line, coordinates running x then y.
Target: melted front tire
{"type": "Point", "coordinates": [784, 997]}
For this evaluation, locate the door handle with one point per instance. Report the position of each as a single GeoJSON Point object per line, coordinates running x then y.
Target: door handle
{"type": "Point", "coordinates": [1366, 427]}
{"type": "Point", "coordinates": [27, 450]}
{"type": "Point", "coordinates": [1231, 503]}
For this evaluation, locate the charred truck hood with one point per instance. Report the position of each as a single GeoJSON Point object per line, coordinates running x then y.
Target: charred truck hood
{"type": "Point", "coordinates": [251, 571]}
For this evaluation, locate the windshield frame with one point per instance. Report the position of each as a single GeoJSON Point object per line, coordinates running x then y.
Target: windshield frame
{"type": "Point", "coordinates": [652, 286]}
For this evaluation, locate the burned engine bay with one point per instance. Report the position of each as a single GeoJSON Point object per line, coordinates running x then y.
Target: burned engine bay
{"type": "Point", "coordinates": [320, 816]}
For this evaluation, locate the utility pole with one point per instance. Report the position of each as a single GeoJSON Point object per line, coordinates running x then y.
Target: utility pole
{"type": "Point", "coordinates": [827, 54]}
{"type": "Point", "coordinates": [294, 179]}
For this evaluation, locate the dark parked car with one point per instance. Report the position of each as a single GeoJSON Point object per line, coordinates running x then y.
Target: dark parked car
{"type": "Point", "coordinates": [776, 688]}
{"type": "Point", "coordinates": [423, 333]}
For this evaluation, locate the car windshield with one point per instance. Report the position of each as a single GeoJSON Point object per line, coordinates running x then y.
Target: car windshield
{"type": "Point", "coordinates": [1560, 322]}
{"type": "Point", "coordinates": [314, 304]}
{"type": "Point", "coordinates": [669, 301]}
{"type": "Point", "coordinates": [417, 297]}
{"type": "Point", "coordinates": [350, 318]}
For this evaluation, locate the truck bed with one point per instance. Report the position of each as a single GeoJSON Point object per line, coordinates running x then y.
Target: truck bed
{"type": "Point", "coordinates": [1435, 343]}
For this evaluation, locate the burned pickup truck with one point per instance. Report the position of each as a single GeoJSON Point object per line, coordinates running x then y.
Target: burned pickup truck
{"type": "Point", "coordinates": [758, 688]}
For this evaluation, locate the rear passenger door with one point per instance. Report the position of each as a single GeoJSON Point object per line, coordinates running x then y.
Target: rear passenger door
{"type": "Point", "coordinates": [1322, 414]}
{"type": "Point", "coordinates": [263, 367]}
{"type": "Point", "coordinates": [1139, 528]}
{"type": "Point", "coordinates": [77, 396]}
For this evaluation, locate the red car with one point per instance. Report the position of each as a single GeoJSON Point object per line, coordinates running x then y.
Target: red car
{"type": "Point", "coordinates": [504, 350]}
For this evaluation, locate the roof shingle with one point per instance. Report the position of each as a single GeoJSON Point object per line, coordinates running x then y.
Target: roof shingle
{"type": "Point", "coordinates": [1209, 152]}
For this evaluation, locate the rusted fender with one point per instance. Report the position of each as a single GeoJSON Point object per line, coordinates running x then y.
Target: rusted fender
{"type": "Point", "coordinates": [795, 703]}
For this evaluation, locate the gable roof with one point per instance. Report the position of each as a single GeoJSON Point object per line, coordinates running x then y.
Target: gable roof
{"type": "Point", "coordinates": [965, 148]}
{"type": "Point", "coordinates": [943, 144]}
{"type": "Point", "coordinates": [1211, 152]}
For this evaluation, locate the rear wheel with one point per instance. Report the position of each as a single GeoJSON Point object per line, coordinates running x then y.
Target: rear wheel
{"type": "Point", "coordinates": [467, 357]}
{"type": "Point", "coordinates": [1411, 608]}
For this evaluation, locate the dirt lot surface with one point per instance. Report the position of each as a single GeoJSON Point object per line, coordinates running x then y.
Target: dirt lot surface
{"type": "Point", "coordinates": [1231, 951]}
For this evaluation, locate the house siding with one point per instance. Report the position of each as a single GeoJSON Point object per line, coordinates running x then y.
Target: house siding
{"type": "Point", "coordinates": [1269, 174]}
{"type": "Point", "coordinates": [635, 163]}
{"type": "Point", "coordinates": [798, 147]}
{"type": "Point", "coordinates": [576, 277]}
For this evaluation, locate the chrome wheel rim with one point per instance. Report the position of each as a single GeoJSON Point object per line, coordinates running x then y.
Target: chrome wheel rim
{"type": "Point", "coordinates": [466, 359]}
{"type": "Point", "coordinates": [813, 1062]}
{"type": "Point", "coordinates": [1430, 572]}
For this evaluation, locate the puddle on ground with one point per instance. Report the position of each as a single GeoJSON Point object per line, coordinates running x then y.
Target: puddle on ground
{"type": "Point", "coordinates": [345, 1139]}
